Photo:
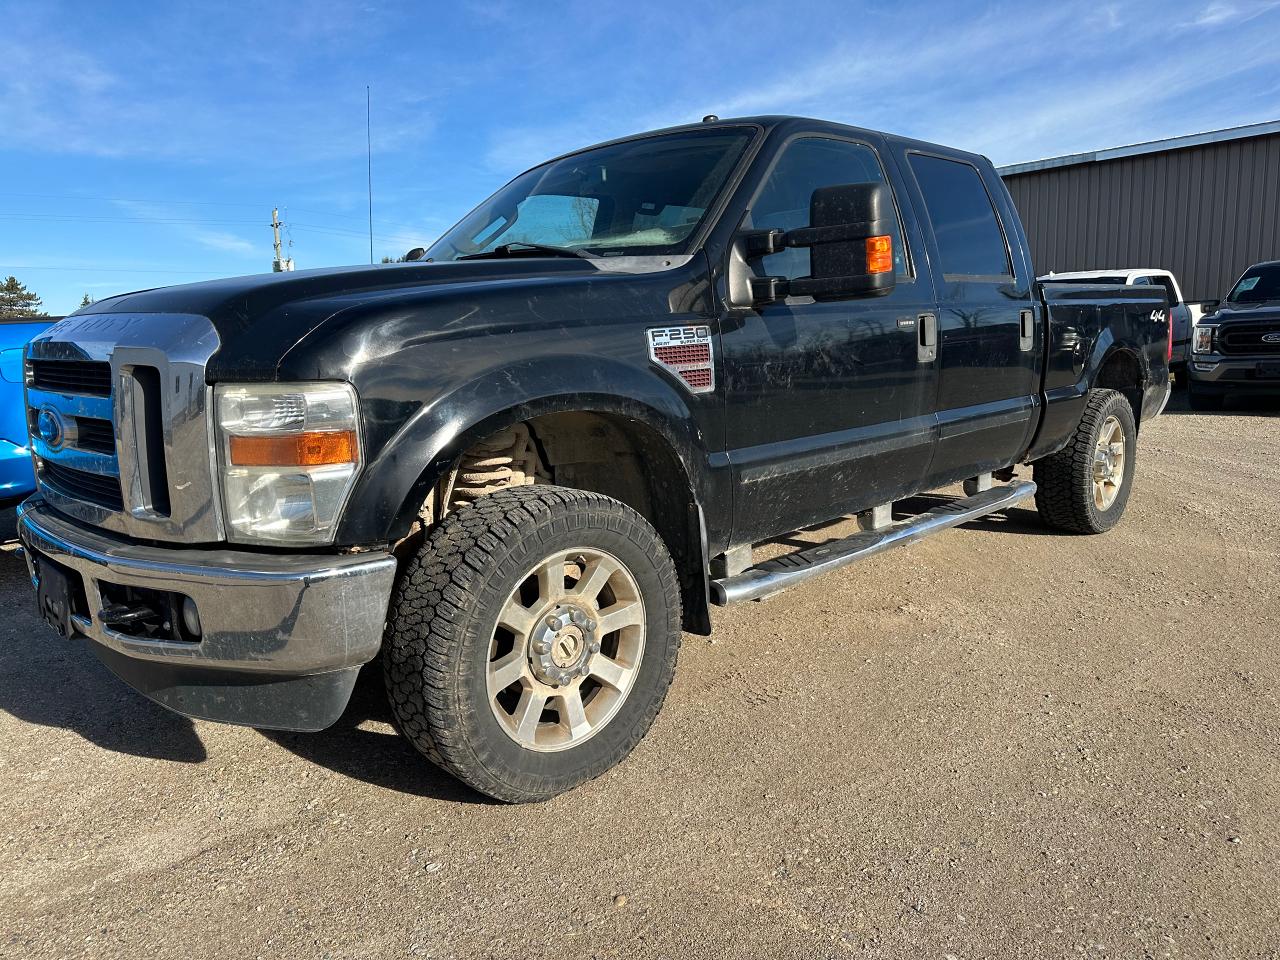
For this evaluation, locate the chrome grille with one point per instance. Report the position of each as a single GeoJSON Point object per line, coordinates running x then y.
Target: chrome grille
{"type": "Point", "coordinates": [98, 436]}
{"type": "Point", "coordinates": [80, 484]}
{"type": "Point", "coordinates": [89, 378]}
{"type": "Point", "coordinates": [125, 443]}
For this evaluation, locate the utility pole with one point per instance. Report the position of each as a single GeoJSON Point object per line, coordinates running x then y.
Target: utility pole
{"type": "Point", "coordinates": [279, 264]}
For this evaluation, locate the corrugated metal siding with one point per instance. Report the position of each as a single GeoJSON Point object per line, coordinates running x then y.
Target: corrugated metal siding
{"type": "Point", "coordinates": [1205, 212]}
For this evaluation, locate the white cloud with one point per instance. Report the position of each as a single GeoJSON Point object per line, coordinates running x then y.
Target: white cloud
{"type": "Point", "coordinates": [226, 242]}
{"type": "Point", "coordinates": [1220, 13]}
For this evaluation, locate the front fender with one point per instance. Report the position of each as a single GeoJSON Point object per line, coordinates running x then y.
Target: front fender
{"type": "Point", "coordinates": [393, 486]}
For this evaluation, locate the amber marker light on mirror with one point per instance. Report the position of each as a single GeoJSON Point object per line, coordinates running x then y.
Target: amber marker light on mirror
{"type": "Point", "coordinates": [314, 449]}
{"type": "Point", "coordinates": [879, 254]}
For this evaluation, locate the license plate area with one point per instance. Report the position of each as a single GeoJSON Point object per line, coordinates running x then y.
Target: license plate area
{"type": "Point", "coordinates": [1269, 369]}
{"type": "Point", "coordinates": [59, 595]}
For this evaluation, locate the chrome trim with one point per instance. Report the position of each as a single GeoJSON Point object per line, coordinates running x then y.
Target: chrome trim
{"type": "Point", "coordinates": [86, 461]}
{"type": "Point", "coordinates": [262, 613]}
{"type": "Point", "coordinates": [774, 576]}
{"type": "Point", "coordinates": [178, 347]}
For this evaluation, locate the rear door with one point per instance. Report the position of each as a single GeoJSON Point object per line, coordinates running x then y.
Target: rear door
{"type": "Point", "coordinates": [989, 328]}
{"type": "Point", "coordinates": [829, 405]}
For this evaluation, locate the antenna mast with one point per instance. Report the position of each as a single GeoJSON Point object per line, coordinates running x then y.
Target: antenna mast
{"type": "Point", "coordinates": [279, 264]}
{"type": "Point", "coordinates": [368, 142]}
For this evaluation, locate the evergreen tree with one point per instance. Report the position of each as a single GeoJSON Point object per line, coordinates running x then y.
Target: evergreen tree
{"type": "Point", "coordinates": [17, 301]}
{"type": "Point", "coordinates": [85, 301]}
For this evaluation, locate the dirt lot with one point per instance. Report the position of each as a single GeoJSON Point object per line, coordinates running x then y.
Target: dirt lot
{"type": "Point", "coordinates": [1000, 743]}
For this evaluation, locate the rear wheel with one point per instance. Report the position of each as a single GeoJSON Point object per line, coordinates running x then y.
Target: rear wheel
{"type": "Point", "coordinates": [1084, 487]}
{"type": "Point", "coordinates": [532, 639]}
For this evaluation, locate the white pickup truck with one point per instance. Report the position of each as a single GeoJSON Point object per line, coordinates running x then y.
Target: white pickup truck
{"type": "Point", "coordinates": [1182, 315]}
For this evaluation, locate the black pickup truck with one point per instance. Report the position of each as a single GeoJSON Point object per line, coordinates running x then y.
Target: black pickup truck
{"type": "Point", "coordinates": [1235, 347]}
{"type": "Point", "coordinates": [517, 466]}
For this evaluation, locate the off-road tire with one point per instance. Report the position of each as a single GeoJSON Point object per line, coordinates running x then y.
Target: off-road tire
{"type": "Point", "coordinates": [442, 617]}
{"type": "Point", "coordinates": [1064, 480]}
{"type": "Point", "coordinates": [1203, 402]}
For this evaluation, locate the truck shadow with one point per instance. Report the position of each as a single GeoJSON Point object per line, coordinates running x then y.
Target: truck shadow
{"type": "Point", "coordinates": [1021, 520]}
{"type": "Point", "coordinates": [46, 681]}
{"type": "Point", "coordinates": [50, 682]}
{"type": "Point", "coordinates": [1234, 406]}
{"type": "Point", "coordinates": [383, 759]}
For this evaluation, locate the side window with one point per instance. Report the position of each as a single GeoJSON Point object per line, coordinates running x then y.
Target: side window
{"type": "Point", "coordinates": [804, 166]}
{"type": "Point", "coordinates": [970, 241]}
{"type": "Point", "coordinates": [1142, 281]}
{"type": "Point", "coordinates": [1167, 283]}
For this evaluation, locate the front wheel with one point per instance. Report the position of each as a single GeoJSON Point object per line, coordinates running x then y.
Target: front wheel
{"type": "Point", "coordinates": [1084, 487]}
{"type": "Point", "coordinates": [532, 639]}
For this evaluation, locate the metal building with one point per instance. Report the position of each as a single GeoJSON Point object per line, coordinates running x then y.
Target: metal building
{"type": "Point", "coordinates": [1205, 206]}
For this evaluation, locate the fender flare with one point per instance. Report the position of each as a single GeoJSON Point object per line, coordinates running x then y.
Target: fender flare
{"type": "Point", "coordinates": [401, 474]}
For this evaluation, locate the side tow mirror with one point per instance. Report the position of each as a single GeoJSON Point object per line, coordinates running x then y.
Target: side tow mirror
{"type": "Point", "coordinates": [1210, 306]}
{"type": "Point", "coordinates": [850, 241]}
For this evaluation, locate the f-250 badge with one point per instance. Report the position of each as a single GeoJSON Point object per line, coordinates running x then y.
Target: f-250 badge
{"type": "Point", "coordinates": [687, 353]}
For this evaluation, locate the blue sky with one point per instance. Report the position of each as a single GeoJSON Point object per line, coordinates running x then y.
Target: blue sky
{"type": "Point", "coordinates": [145, 144]}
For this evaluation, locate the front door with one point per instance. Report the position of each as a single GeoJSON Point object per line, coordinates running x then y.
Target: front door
{"type": "Point", "coordinates": [829, 405]}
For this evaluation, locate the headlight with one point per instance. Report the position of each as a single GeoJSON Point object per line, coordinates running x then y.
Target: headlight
{"type": "Point", "coordinates": [288, 454]}
{"type": "Point", "coordinates": [1202, 342]}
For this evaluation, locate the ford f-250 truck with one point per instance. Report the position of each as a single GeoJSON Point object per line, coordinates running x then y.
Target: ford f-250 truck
{"type": "Point", "coordinates": [517, 468]}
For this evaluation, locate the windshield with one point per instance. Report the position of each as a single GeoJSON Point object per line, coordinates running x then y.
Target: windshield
{"type": "Point", "coordinates": [1258, 283]}
{"type": "Point", "coordinates": [641, 197]}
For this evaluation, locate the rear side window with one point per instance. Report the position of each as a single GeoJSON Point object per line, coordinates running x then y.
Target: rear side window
{"type": "Point", "coordinates": [970, 241]}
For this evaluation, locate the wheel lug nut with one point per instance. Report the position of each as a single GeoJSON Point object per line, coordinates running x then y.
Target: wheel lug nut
{"type": "Point", "coordinates": [541, 648]}
{"type": "Point", "coordinates": [553, 622]}
{"type": "Point", "coordinates": [595, 647]}
{"type": "Point", "coordinates": [585, 669]}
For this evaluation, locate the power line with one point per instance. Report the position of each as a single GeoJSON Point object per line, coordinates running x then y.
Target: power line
{"type": "Point", "coordinates": [209, 203]}
{"type": "Point", "coordinates": [67, 269]}
{"type": "Point", "coordinates": [74, 218]}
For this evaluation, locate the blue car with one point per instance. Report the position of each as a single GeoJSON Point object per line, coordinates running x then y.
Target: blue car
{"type": "Point", "coordinates": [17, 477]}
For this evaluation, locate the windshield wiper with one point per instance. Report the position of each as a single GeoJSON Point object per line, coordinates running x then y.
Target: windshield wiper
{"type": "Point", "coordinates": [519, 248]}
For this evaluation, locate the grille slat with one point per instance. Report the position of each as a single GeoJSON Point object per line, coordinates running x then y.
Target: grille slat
{"type": "Point", "coordinates": [91, 378]}
{"type": "Point", "coordinates": [95, 435]}
{"type": "Point", "coordinates": [91, 487]}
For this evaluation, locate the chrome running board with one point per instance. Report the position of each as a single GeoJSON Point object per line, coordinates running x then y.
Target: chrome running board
{"type": "Point", "coordinates": [782, 573]}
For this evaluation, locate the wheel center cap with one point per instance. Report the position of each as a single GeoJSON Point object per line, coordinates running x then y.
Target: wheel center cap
{"type": "Point", "coordinates": [563, 644]}
{"type": "Point", "coordinates": [567, 647]}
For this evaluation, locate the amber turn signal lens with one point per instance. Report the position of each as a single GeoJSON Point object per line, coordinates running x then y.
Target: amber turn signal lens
{"type": "Point", "coordinates": [299, 450]}
{"type": "Point", "coordinates": [879, 254]}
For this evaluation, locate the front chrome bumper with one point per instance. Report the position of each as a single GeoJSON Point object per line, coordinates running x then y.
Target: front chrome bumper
{"type": "Point", "coordinates": [282, 638]}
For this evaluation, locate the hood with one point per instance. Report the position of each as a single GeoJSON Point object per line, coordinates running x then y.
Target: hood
{"type": "Point", "coordinates": [260, 318]}
{"type": "Point", "coordinates": [1262, 310]}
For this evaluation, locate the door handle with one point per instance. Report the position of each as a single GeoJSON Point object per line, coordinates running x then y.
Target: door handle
{"type": "Point", "coordinates": [1026, 330]}
{"type": "Point", "coordinates": [927, 345]}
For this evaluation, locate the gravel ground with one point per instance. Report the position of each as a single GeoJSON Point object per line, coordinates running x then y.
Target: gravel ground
{"type": "Point", "coordinates": [999, 743]}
